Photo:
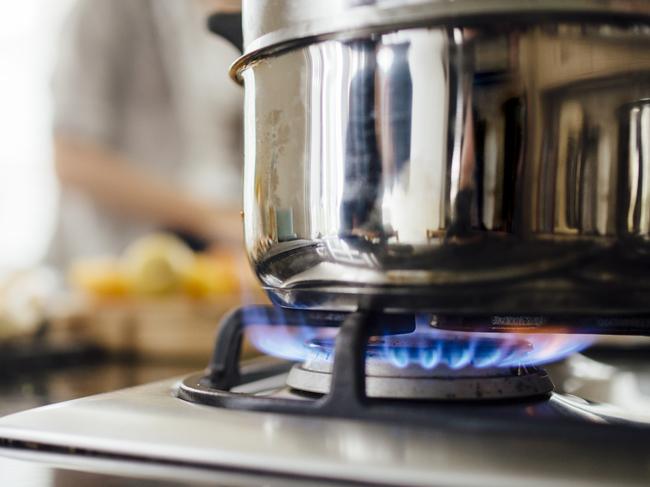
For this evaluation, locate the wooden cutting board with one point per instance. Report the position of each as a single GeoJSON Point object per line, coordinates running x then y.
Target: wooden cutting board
{"type": "Point", "coordinates": [174, 328]}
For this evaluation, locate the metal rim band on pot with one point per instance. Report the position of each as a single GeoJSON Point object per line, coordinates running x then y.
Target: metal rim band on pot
{"type": "Point", "coordinates": [274, 26]}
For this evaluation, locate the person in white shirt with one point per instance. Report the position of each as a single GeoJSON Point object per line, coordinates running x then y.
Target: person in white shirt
{"type": "Point", "coordinates": [147, 126]}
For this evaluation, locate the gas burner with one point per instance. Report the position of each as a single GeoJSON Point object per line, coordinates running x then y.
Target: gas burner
{"type": "Point", "coordinates": [450, 368]}
{"type": "Point", "coordinates": [345, 372]}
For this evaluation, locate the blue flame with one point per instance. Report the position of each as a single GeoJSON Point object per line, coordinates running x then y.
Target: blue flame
{"type": "Point", "coordinates": [427, 347]}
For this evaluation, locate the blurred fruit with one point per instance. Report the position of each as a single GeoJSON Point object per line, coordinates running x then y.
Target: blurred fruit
{"type": "Point", "coordinates": [212, 275]}
{"type": "Point", "coordinates": [99, 276]}
{"type": "Point", "coordinates": [162, 265]}
{"type": "Point", "coordinates": [25, 301]}
{"type": "Point", "coordinates": [157, 264]}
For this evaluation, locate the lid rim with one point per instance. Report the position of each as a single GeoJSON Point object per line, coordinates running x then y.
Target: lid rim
{"type": "Point", "coordinates": [291, 20]}
{"type": "Point", "coordinates": [305, 34]}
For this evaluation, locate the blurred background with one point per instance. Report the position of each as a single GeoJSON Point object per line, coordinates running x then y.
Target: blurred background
{"type": "Point", "coordinates": [119, 194]}
{"type": "Point", "coordinates": [28, 188]}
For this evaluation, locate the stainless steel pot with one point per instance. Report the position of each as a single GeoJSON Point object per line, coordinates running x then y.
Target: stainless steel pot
{"type": "Point", "coordinates": [465, 157]}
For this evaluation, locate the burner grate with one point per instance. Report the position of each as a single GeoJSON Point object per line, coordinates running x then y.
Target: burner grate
{"type": "Point", "coordinates": [346, 396]}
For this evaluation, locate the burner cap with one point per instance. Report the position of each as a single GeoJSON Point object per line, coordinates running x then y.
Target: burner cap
{"type": "Point", "coordinates": [506, 384]}
{"type": "Point", "coordinates": [449, 379]}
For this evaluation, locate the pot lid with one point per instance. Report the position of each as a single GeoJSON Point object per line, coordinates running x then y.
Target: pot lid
{"type": "Point", "coordinates": [272, 22]}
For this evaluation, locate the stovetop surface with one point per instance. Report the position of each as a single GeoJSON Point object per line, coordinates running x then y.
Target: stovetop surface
{"type": "Point", "coordinates": [148, 426]}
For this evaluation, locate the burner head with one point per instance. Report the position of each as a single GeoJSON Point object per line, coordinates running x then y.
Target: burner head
{"type": "Point", "coordinates": [422, 362]}
{"type": "Point", "coordinates": [444, 368]}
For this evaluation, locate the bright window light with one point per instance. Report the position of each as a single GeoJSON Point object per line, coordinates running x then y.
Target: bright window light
{"type": "Point", "coordinates": [28, 193]}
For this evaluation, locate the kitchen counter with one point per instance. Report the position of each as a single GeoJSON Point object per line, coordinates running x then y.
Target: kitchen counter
{"type": "Point", "coordinates": [22, 473]}
{"type": "Point", "coordinates": [40, 473]}
{"type": "Point", "coordinates": [28, 390]}
{"type": "Point", "coordinates": [21, 391]}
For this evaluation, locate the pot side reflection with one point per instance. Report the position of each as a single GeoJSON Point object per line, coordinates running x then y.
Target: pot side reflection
{"type": "Point", "coordinates": [431, 161]}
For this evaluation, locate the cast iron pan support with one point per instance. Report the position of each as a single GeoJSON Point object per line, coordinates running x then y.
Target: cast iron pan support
{"type": "Point", "coordinates": [224, 372]}
{"type": "Point", "coordinates": [348, 388]}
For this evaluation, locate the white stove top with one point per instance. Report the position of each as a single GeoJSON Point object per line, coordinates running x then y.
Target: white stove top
{"type": "Point", "coordinates": [148, 425]}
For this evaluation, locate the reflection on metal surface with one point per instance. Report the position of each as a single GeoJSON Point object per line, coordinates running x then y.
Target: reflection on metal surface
{"type": "Point", "coordinates": [635, 152]}
{"type": "Point", "coordinates": [456, 155]}
{"type": "Point", "coordinates": [272, 23]}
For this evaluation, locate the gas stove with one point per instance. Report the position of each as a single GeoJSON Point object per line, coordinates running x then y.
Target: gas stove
{"type": "Point", "coordinates": [466, 184]}
{"type": "Point", "coordinates": [357, 398]}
